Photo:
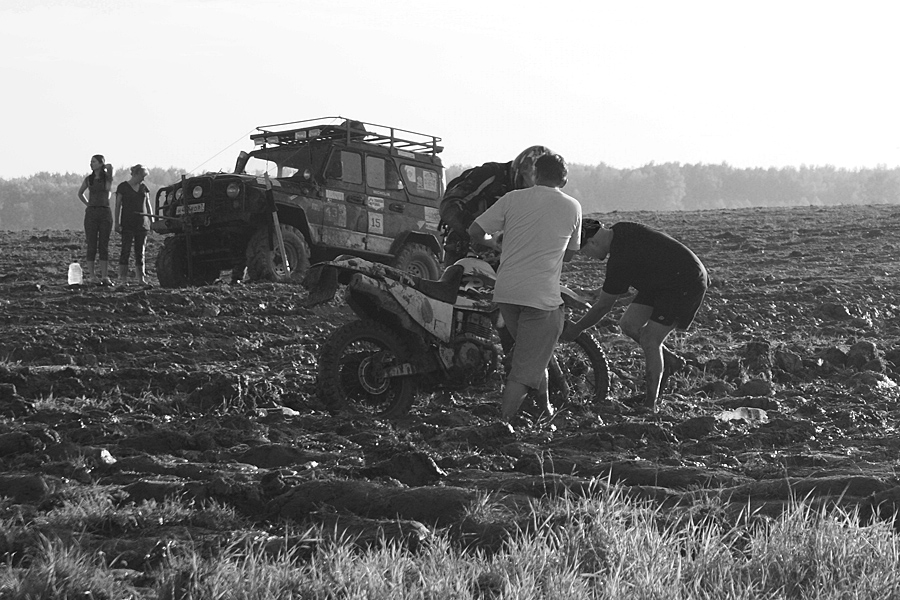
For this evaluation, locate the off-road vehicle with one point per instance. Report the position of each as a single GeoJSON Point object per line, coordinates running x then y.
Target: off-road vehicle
{"type": "Point", "coordinates": [310, 190]}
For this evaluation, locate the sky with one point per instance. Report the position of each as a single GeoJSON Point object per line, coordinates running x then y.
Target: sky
{"type": "Point", "coordinates": [184, 83]}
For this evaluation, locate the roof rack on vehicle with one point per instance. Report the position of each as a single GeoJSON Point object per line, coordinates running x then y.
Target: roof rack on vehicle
{"type": "Point", "coordinates": [301, 132]}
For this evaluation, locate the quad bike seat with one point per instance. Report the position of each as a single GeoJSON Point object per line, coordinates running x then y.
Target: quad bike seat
{"type": "Point", "coordinates": [446, 288]}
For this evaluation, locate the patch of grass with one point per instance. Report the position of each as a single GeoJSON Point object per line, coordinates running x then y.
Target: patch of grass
{"type": "Point", "coordinates": [97, 510]}
{"type": "Point", "coordinates": [61, 571]}
{"type": "Point", "coordinates": [596, 544]}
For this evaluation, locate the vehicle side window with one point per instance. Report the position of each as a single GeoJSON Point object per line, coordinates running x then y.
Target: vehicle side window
{"type": "Point", "coordinates": [346, 166]}
{"type": "Point", "coordinates": [382, 174]}
{"type": "Point", "coordinates": [422, 182]}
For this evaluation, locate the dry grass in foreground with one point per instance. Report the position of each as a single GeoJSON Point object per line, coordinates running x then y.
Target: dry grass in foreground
{"type": "Point", "coordinates": [573, 548]}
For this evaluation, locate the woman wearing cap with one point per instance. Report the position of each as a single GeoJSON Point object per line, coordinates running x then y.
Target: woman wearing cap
{"type": "Point", "coordinates": [97, 217]}
{"type": "Point", "coordinates": [132, 222]}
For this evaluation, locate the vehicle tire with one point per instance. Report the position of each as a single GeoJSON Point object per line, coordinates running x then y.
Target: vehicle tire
{"type": "Point", "coordinates": [172, 267]}
{"type": "Point", "coordinates": [171, 264]}
{"type": "Point", "coordinates": [578, 372]}
{"type": "Point", "coordinates": [418, 260]}
{"type": "Point", "coordinates": [265, 264]}
{"type": "Point", "coordinates": [347, 374]}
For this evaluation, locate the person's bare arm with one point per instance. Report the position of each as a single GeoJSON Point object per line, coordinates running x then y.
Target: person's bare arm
{"type": "Point", "coordinates": [597, 311]}
{"type": "Point", "coordinates": [479, 236]}
{"type": "Point", "coordinates": [118, 211]}
{"type": "Point", "coordinates": [147, 209]}
{"type": "Point", "coordinates": [109, 177]}
{"type": "Point", "coordinates": [84, 186]}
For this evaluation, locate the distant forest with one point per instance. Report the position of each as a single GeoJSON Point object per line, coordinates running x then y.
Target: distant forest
{"type": "Point", "coordinates": [48, 200]}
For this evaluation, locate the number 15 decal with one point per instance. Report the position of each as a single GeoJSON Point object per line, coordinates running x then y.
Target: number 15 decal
{"type": "Point", "coordinates": [376, 223]}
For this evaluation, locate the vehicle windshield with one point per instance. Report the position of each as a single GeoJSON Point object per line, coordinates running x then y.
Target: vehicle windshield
{"type": "Point", "coordinates": [258, 166]}
{"type": "Point", "coordinates": [286, 161]}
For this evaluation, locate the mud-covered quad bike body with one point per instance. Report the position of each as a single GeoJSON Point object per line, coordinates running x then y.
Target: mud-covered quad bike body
{"type": "Point", "coordinates": [416, 334]}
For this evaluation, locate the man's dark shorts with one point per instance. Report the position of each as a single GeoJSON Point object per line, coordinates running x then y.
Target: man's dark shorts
{"type": "Point", "coordinates": [675, 306]}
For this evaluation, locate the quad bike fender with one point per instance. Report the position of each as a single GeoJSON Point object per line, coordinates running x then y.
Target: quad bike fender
{"type": "Point", "coordinates": [322, 279]}
{"type": "Point", "coordinates": [435, 316]}
{"type": "Point", "coordinates": [392, 290]}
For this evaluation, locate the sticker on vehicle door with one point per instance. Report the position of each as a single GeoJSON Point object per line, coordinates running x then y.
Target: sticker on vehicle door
{"type": "Point", "coordinates": [375, 203]}
{"type": "Point", "coordinates": [336, 215]}
{"type": "Point", "coordinates": [334, 195]}
{"type": "Point", "coordinates": [376, 223]}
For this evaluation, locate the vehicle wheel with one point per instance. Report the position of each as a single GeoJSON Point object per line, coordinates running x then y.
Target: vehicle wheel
{"type": "Point", "coordinates": [349, 365]}
{"type": "Point", "coordinates": [265, 264]}
{"type": "Point", "coordinates": [418, 260]}
{"type": "Point", "coordinates": [578, 372]}
{"type": "Point", "coordinates": [172, 268]}
{"type": "Point", "coordinates": [171, 264]}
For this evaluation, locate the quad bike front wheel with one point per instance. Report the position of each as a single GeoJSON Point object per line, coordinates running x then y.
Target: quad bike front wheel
{"type": "Point", "coordinates": [351, 371]}
{"type": "Point", "coordinates": [578, 372]}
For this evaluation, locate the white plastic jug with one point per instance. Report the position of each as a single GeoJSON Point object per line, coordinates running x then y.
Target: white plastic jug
{"type": "Point", "coordinates": [75, 274]}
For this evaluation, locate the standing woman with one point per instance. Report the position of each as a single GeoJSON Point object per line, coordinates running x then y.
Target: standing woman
{"type": "Point", "coordinates": [97, 216]}
{"type": "Point", "coordinates": [132, 199]}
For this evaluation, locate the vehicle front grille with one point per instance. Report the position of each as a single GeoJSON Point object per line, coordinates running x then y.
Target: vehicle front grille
{"type": "Point", "coordinates": [214, 196]}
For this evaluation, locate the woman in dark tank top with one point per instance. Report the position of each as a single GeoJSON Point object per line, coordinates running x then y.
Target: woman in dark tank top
{"type": "Point", "coordinates": [97, 217]}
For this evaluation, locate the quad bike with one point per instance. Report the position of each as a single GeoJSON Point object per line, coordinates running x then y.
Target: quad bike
{"type": "Point", "coordinates": [416, 335]}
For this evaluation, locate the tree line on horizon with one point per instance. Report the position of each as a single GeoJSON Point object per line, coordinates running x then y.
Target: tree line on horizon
{"type": "Point", "coordinates": [49, 200]}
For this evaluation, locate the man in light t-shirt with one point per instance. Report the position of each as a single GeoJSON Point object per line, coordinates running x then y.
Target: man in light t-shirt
{"type": "Point", "coordinates": [541, 229]}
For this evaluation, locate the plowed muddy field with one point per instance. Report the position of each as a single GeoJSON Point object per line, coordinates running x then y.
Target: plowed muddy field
{"type": "Point", "coordinates": [790, 390]}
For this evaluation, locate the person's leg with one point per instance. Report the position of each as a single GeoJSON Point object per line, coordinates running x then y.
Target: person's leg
{"type": "Point", "coordinates": [513, 392]}
{"type": "Point", "coordinates": [91, 234]}
{"type": "Point", "coordinates": [634, 319]}
{"type": "Point", "coordinates": [536, 332]}
{"type": "Point", "coordinates": [103, 246]}
{"type": "Point", "coordinates": [513, 395]}
{"type": "Point", "coordinates": [550, 330]}
{"type": "Point", "coordinates": [650, 336]}
{"type": "Point", "coordinates": [124, 253]}
{"type": "Point", "coordinates": [140, 245]}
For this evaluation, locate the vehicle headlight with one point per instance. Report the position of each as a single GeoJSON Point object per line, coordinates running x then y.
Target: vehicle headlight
{"type": "Point", "coordinates": [233, 190]}
{"type": "Point", "coordinates": [179, 193]}
{"type": "Point", "coordinates": [197, 192]}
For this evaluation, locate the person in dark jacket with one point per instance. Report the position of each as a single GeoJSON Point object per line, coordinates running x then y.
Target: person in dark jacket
{"type": "Point", "coordinates": [477, 189]}
{"type": "Point", "coordinates": [670, 281]}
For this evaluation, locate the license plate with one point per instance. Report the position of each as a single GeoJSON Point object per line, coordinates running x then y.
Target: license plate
{"type": "Point", "coordinates": [192, 208]}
